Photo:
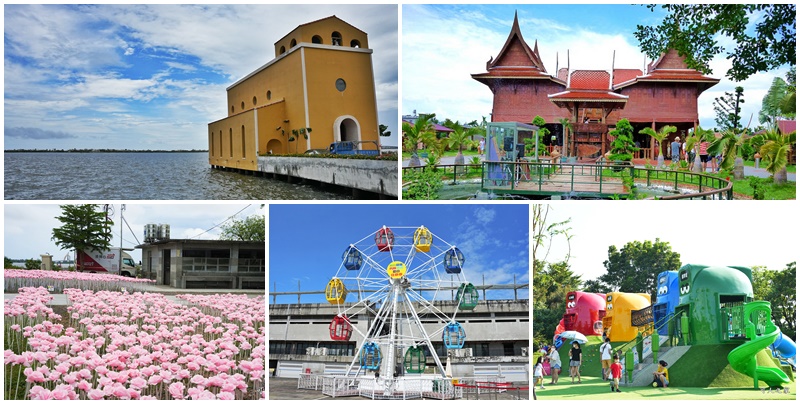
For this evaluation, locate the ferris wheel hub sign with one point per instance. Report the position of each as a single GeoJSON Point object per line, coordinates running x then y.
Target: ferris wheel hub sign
{"type": "Point", "coordinates": [396, 269]}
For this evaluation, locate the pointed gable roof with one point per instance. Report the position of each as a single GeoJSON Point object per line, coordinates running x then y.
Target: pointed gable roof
{"type": "Point", "coordinates": [670, 67]}
{"type": "Point", "coordinates": [516, 60]}
{"type": "Point", "coordinates": [516, 52]}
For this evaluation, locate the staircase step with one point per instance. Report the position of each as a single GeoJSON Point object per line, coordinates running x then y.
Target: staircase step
{"type": "Point", "coordinates": [644, 376]}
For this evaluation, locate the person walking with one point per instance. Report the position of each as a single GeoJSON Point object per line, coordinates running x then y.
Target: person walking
{"type": "Point", "coordinates": [703, 152]}
{"type": "Point", "coordinates": [555, 364]}
{"type": "Point", "coordinates": [676, 155]}
{"type": "Point", "coordinates": [538, 373]}
{"type": "Point", "coordinates": [616, 373]}
{"type": "Point", "coordinates": [605, 356]}
{"type": "Point", "coordinates": [575, 358]}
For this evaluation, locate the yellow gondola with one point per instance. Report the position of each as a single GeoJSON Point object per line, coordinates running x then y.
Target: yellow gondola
{"type": "Point", "coordinates": [335, 292]}
{"type": "Point", "coordinates": [423, 239]}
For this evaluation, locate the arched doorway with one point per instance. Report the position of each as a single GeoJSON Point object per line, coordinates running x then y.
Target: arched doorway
{"type": "Point", "coordinates": [346, 128]}
{"type": "Point", "coordinates": [274, 146]}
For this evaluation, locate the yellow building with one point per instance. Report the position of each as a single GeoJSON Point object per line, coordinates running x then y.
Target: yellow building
{"type": "Point", "coordinates": [318, 89]}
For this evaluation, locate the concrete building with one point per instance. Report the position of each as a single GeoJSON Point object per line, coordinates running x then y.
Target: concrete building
{"type": "Point", "coordinates": [497, 343]}
{"type": "Point", "coordinates": [319, 88]}
{"type": "Point", "coordinates": [197, 264]}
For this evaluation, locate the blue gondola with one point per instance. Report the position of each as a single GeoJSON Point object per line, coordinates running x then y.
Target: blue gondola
{"type": "Point", "coordinates": [371, 356]}
{"type": "Point", "coordinates": [453, 261]}
{"type": "Point", "coordinates": [454, 336]}
{"type": "Point", "coordinates": [352, 259]}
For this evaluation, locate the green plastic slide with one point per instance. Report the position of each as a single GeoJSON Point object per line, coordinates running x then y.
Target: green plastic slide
{"type": "Point", "coordinates": [743, 358]}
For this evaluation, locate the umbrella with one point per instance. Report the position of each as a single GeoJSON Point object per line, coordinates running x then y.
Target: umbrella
{"type": "Point", "coordinates": [575, 336]}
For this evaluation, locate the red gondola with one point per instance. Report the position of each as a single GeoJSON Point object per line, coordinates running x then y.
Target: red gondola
{"type": "Point", "coordinates": [341, 329]}
{"type": "Point", "coordinates": [384, 239]}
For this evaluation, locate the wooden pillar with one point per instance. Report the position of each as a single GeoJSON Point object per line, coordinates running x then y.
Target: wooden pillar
{"type": "Point", "coordinates": [652, 144]}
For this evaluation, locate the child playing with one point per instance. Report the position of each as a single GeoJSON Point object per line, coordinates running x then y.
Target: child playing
{"type": "Point", "coordinates": [538, 373]}
{"type": "Point", "coordinates": [661, 375]}
{"type": "Point", "coordinates": [616, 373]}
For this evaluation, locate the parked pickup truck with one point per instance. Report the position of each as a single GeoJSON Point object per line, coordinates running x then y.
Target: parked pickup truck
{"type": "Point", "coordinates": [350, 147]}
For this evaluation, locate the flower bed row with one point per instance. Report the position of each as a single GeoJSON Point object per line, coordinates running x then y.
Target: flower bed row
{"type": "Point", "coordinates": [58, 281]}
{"type": "Point", "coordinates": [114, 345]}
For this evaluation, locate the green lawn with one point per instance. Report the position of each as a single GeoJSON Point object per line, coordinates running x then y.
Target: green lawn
{"type": "Point", "coordinates": [789, 169]}
{"type": "Point", "coordinates": [593, 388]}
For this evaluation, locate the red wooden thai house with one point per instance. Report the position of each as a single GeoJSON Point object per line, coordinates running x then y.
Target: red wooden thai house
{"type": "Point", "coordinates": [592, 100]}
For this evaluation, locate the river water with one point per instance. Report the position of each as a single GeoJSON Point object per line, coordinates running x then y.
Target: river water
{"type": "Point", "coordinates": [150, 176]}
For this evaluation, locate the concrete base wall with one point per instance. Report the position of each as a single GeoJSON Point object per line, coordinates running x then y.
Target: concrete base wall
{"type": "Point", "coordinates": [378, 176]}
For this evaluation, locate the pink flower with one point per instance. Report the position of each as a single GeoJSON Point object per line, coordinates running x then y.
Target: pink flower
{"type": "Point", "coordinates": [40, 393]}
{"type": "Point", "coordinates": [96, 394]}
{"type": "Point", "coordinates": [138, 383]}
{"type": "Point", "coordinates": [35, 376]}
{"type": "Point", "coordinates": [121, 392]}
{"type": "Point", "coordinates": [84, 385]}
{"type": "Point", "coordinates": [199, 380]}
{"type": "Point", "coordinates": [225, 395]}
{"type": "Point", "coordinates": [154, 379]}
{"type": "Point", "coordinates": [62, 392]}
{"type": "Point", "coordinates": [16, 327]}
{"type": "Point", "coordinates": [207, 395]}
{"type": "Point", "coordinates": [176, 390]}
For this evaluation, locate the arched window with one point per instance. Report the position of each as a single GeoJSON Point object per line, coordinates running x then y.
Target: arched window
{"type": "Point", "coordinates": [220, 143]}
{"type": "Point", "coordinates": [316, 39]}
{"type": "Point", "coordinates": [211, 141]}
{"type": "Point", "coordinates": [255, 100]}
{"type": "Point", "coordinates": [336, 38]}
{"type": "Point", "coordinates": [283, 50]}
{"type": "Point", "coordinates": [355, 44]}
{"type": "Point", "coordinates": [231, 109]}
{"type": "Point", "coordinates": [244, 148]}
{"type": "Point", "coordinates": [269, 95]}
{"type": "Point", "coordinates": [293, 43]}
{"type": "Point", "coordinates": [242, 105]}
{"type": "Point", "coordinates": [230, 140]}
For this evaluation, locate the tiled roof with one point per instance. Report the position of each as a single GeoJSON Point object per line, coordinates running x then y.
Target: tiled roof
{"type": "Point", "coordinates": [623, 75]}
{"type": "Point", "coordinates": [787, 127]}
{"type": "Point", "coordinates": [578, 95]}
{"type": "Point", "coordinates": [589, 80]}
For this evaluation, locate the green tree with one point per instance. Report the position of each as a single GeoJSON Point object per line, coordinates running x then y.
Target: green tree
{"type": "Point", "coordinates": [550, 289]}
{"type": "Point", "coordinates": [414, 134]}
{"type": "Point", "coordinates": [771, 103]}
{"type": "Point", "coordinates": [7, 263]}
{"type": "Point", "coordinates": [697, 31]}
{"type": "Point", "coordinates": [728, 109]}
{"type": "Point", "coordinates": [728, 146]}
{"type": "Point", "coordinates": [250, 228]}
{"type": "Point", "coordinates": [782, 297]}
{"type": "Point", "coordinates": [539, 122]}
{"type": "Point", "coordinates": [622, 147]}
{"type": "Point", "coordinates": [458, 138]}
{"type": "Point", "coordinates": [423, 184]}
{"type": "Point", "coordinates": [636, 266]}
{"type": "Point", "coordinates": [31, 263]}
{"type": "Point", "coordinates": [83, 228]}
{"type": "Point", "coordinates": [595, 286]}
{"type": "Point", "coordinates": [775, 153]}
{"type": "Point", "coordinates": [789, 102]}
{"type": "Point", "coordinates": [762, 282]}
{"type": "Point", "coordinates": [660, 136]}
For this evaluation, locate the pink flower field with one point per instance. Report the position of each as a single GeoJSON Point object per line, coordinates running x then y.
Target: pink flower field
{"type": "Point", "coordinates": [120, 345]}
{"type": "Point", "coordinates": [58, 281]}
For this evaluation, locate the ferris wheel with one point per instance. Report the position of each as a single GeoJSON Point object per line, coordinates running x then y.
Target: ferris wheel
{"type": "Point", "coordinates": [408, 286]}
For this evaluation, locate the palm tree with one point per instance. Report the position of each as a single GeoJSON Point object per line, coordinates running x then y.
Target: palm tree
{"type": "Point", "coordinates": [458, 138]}
{"type": "Point", "coordinates": [693, 141]}
{"type": "Point", "coordinates": [727, 145]}
{"type": "Point", "coordinates": [414, 134]}
{"type": "Point", "coordinates": [775, 153]}
{"type": "Point", "coordinates": [660, 136]}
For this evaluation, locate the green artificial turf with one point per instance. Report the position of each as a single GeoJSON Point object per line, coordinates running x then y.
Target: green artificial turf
{"type": "Point", "coordinates": [593, 388]}
{"type": "Point", "coordinates": [708, 366]}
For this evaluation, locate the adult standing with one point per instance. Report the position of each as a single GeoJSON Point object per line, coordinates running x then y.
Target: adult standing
{"type": "Point", "coordinates": [703, 152]}
{"type": "Point", "coordinates": [676, 154]}
{"type": "Point", "coordinates": [555, 364]}
{"type": "Point", "coordinates": [575, 358]}
{"type": "Point", "coordinates": [605, 354]}
{"type": "Point", "coordinates": [482, 146]}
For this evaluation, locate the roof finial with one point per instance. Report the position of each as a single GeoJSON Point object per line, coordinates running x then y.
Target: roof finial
{"type": "Point", "coordinates": [516, 22]}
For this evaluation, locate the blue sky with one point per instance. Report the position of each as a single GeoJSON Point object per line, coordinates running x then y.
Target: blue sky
{"type": "Point", "coordinates": [455, 41]}
{"type": "Point", "coordinates": [154, 76]}
{"type": "Point", "coordinates": [27, 227]}
{"type": "Point", "coordinates": [306, 242]}
{"type": "Point", "coordinates": [722, 235]}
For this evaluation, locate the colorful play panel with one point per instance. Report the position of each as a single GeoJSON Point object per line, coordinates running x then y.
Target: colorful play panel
{"type": "Point", "coordinates": [702, 315]}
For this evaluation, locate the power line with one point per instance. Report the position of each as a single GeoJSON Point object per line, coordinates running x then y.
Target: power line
{"type": "Point", "coordinates": [223, 222]}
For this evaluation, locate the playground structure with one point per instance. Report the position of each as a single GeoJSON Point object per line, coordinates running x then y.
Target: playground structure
{"type": "Point", "coordinates": [696, 306]}
{"type": "Point", "coordinates": [395, 274]}
{"type": "Point", "coordinates": [585, 312]}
